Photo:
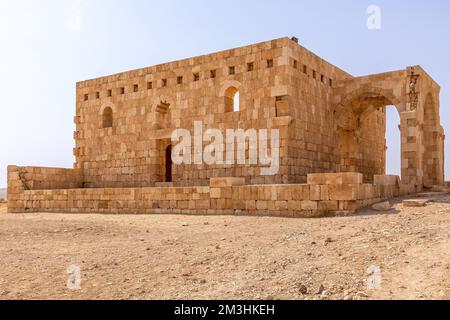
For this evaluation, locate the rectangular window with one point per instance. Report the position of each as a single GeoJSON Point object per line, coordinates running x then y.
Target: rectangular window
{"type": "Point", "coordinates": [305, 69]}
{"type": "Point", "coordinates": [314, 74]}
{"type": "Point", "coordinates": [180, 80]}
{"type": "Point", "coordinates": [122, 90]}
{"type": "Point", "coordinates": [149, 85]}
{"type": "Point", "coordinates": [136, 88]}
{"type": "Point", "coordinates": [322, 78]}
{"type": "Point", "coordinates": [196, 76]}
{"type": "Point", "coordinates": [86, 97]}
{"type": "Point", "coordinates": [330, 82]}
{"type": "Point", "coordinates": [109, 93]}
{"type": "Point", "coordinates": [250, 66]}
{"type": "Point", "coordinates": [97, 95]}
{"type": "Point", "coordinates": [295, 64]}
{"type": "Point", "coordinates": [231, 70]}
{"type": "Point", "coordinates": [164, 83]}
{"type": "Point", "coordinates": [212, 74]}
{"type": "Point", "coordinates": [270, 63]}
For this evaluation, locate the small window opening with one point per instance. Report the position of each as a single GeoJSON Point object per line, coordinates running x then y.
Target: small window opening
{"type": "Point", "coordinates": [231, 70]}
{"type": "Point", "coordinates": [86, 97]}
{"type": "Point", "coordinates": [149, 85]}
{"type": "Point", "coordinates": [212, 74]}
{"type": "Point", "coordinates": [180, 80]}
{"type": "Point", "coordinates": [122, 90]}
{"type": "Point", "coordinates": [136, 88]}
{"type": "Point", "coordinates": [270, 63]}
{"type": "Point", "coordinates": [109, 93]}
{"type": "Point", "coordinates": [196, 76]}
{"type": "Point", "coordinates": [250, 66]}
{"type": "Point", "coordinates": [164, 82]}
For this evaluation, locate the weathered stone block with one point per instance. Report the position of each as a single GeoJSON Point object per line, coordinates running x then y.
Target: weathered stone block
{"type": "Point", "coordinates": [226, 182]}
{"type": "Point", "coordinates": [386, 180]}
{"type": "Point", "coordinates": [344, 192]}
{"type": "Point", "coordinates": [382, 206]}
{"type": "Point", "coordinates": [335, 178]}
{"type": "Point", "coordinates": [309, 205]}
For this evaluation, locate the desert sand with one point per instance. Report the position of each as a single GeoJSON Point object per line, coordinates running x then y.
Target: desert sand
{"type": "Point", "coordinates": [228, 257]}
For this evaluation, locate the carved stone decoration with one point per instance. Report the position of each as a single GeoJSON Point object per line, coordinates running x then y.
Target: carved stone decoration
{"type": "Point", "coordinates": [413, 94]}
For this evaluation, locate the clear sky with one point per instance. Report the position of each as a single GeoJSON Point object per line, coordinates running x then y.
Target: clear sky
{"type": "Point", "coordinates": [47, 46]}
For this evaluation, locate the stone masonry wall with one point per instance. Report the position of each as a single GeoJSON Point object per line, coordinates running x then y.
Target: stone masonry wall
{"type": "Point", "coordinates": [22, 179]}
{"type": "Point", "coordinates": [275, 79]}
{"type": "Point", "coordinates": [323, 194]}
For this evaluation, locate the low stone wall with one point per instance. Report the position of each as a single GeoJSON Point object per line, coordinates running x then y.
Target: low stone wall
{"type": "Point", "coordinates": [39, 178]}
{"type": "Point", "coordinates": [325, 193]}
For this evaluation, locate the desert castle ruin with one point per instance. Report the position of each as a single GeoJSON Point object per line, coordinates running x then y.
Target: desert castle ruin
{"type": "Point", "coordinates": [331, 146]}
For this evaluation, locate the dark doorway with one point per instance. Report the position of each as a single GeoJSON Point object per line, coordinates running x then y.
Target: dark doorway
{"type": "Point", "coordinates": [169, 163]}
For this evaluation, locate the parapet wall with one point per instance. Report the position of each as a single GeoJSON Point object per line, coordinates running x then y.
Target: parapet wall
{"type": "Point", "coordinates": [324, 193]}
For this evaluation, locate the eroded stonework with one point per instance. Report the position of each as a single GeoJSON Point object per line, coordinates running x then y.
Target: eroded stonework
{"type": "Point", "coordinates": [329, 122]}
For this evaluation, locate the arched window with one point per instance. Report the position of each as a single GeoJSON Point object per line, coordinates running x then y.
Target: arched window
{"type": "Point", "coordinates": [107, 118]}
{"type": "Point", "coordinates": [232, 100]}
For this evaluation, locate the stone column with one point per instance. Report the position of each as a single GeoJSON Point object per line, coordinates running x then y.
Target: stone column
{"type": "Point", "coordinates": [410, 137]}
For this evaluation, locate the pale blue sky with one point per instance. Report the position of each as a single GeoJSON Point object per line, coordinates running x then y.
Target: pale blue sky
{"type": "Point", "coordinates": [41, 58]}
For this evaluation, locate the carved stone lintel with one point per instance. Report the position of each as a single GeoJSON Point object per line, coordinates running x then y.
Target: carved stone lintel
{"type": "Point", "coordinates": [413, 94]}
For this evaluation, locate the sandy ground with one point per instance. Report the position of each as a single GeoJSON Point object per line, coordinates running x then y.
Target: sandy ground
{"type": "Point", "coordinates": [225, 257]}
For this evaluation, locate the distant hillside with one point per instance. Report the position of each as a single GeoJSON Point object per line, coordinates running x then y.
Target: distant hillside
{"type": "Point", "coordinates": [3, 193]}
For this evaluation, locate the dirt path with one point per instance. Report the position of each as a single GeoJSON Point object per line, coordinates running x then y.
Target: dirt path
{"type": "Point", "coordinates": [219, 257]}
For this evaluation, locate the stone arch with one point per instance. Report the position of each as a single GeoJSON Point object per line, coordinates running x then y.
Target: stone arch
{"type": "Point", "coordinates": [230, 93]}
{"type": "Point", "coordinates": [360, 121]}
{"type": "Point", "coordinates": [107, 115]}
{"type": "Point", "coordinates": [108, 105]}
{"type": "Point", "coordinates": [107, 118]}
{"type": "Point", "coordinates": [229, 84]}
{"type": "Point", "coordinates": [372, 92]}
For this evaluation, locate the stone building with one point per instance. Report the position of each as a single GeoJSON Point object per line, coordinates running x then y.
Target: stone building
{"type": "Point", "coordinates": [331, 125]}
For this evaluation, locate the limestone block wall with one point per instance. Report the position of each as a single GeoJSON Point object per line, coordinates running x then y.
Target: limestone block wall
{"type": "Point", "coordinates": [312, 135]}
{"type": "Point", "coordinates": [275, 79]}
{"type": "Point", "coordinates": [324, 193]}
{"type": "Point", "coordinates": [21, 179]}
{"type": "Point", "coordinates": [170, 96]}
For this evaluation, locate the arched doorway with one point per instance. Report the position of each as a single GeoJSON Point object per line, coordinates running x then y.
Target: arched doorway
{"type": "Point", "coordinates": [168, 164]}
{"type": "Point", "coordinates": [393, 142]}
{"type": "Point", "coordinates": [361, 126]}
